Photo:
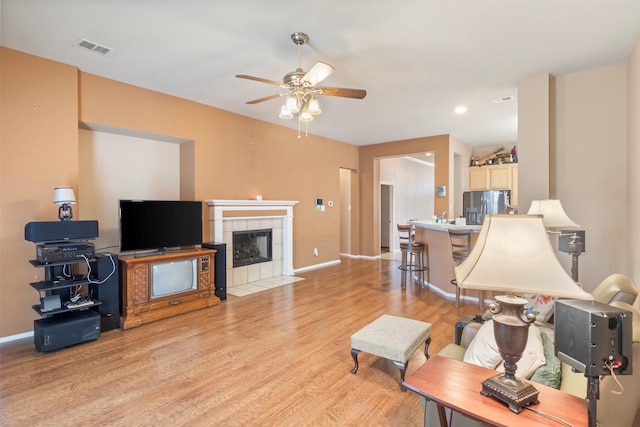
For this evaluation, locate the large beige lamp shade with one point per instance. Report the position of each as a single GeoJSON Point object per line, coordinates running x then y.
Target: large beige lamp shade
{"type": "Point", "coordinates": [513, 255]}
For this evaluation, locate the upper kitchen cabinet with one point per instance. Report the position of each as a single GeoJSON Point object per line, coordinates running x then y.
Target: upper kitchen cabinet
{"type": "Point", "coordinates": [495, 177]}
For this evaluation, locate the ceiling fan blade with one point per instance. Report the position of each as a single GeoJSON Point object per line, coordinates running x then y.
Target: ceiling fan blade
{"type": "Point", "coordinates": [266, 98]}
{"type": "Point", "coordinates": [341, 91]}
{"type": "Point", "coordinates": [258, 79]}
{"type": "Point", "coordinates": [317, 73]}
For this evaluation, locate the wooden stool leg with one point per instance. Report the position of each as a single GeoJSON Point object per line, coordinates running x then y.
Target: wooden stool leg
{"type": "Point", "coordinates": [403, 369]}
{"type": "Point", "coordinates": [427, 343]}
{"type": "Point", "coordinates": [354, 354]}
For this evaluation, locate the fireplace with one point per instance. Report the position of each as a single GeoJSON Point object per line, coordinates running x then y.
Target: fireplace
{"type": "Point", "coordinates": [229, 216]}
{"type": "Point", "coordinates": [252, 247]}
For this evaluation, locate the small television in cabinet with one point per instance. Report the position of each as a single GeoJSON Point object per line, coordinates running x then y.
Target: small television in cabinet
{"type": "Point", "coordinates": [159, 224]}
{"type": "Point", "coordinates": [173, 277]}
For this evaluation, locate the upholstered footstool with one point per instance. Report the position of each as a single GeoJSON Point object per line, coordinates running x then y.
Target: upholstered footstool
{"type": "Point", "coordinates": [391, 337]}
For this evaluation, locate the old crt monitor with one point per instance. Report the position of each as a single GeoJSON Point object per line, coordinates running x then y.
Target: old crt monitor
{"type": "Point", "coordinates": [590, 336]}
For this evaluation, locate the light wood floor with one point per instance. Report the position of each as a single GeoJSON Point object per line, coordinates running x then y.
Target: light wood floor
{"type": "Point", "coordinates": [277, 358]}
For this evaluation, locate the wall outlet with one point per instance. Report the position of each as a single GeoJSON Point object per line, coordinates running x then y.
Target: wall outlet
{"type": "Point", "coordinates": [315, 251]}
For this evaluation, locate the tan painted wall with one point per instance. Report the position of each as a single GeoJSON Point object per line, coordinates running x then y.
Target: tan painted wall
{"type": "Point", "coordinates": [39, 146]}
{"type": "Point", "coordinates": [370, 182]}
{"type": "Point", "coordinates": [591, 170]}
{"type": "Point", "coordinates": [534, 138]}
{"type": "Point", "coordinates": [232, 157]}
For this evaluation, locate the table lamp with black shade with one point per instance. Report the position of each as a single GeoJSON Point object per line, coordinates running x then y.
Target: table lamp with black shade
{"type": "Point", "coordinates": [513, 255]}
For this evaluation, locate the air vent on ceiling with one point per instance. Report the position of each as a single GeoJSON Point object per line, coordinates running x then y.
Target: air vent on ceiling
{"type": "Point", "coordinates": [502, 99]}
{"type": "Point", "coordinates": [93, 47]}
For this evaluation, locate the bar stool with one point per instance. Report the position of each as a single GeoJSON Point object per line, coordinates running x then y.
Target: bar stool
{"type": "Point", "coordinates": [413, 255]}
{"type": "Point", "coordinates": [461, 247]}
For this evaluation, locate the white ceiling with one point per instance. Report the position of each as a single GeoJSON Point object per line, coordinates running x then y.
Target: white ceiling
{"type": "Point", "coordinates": [417, 60]}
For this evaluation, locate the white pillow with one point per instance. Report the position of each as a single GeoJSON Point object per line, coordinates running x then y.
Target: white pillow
{"type": "Point", "coordinates": [483, 351]}
{"type": "Point", "coordinates": [540, 306]}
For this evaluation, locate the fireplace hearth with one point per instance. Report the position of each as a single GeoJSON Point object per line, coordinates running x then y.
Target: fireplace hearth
{"type": "Point", "coordinates": [252, 247]}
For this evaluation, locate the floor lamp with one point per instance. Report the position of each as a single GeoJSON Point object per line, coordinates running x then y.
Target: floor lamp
{"type": "Point", "coordinates": [556, 221]}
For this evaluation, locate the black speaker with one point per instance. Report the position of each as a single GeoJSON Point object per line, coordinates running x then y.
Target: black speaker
{"type": "Point", "coordinates": [63, 330]}
{"type": "Point", "coordinates": [104, 270]}
{"type": "Point", "coordinates": [220, 268]}
{"type": "Point", "coordinates": [57, 231]}
{"type": "Point", "coordinates": [590, 335]}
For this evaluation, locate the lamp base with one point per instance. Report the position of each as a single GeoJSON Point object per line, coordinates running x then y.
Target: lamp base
{"type": "Point", "coordinates": [512, 391]}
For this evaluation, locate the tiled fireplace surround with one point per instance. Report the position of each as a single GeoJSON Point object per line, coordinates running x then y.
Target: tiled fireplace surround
{"type": "Point", "coordinates": [227, 216]}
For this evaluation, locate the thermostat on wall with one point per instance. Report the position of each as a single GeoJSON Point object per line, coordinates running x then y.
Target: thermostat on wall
{"type": "Point", "coordinates": [441, 191]}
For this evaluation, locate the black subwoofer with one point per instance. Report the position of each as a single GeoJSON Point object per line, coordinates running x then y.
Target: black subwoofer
{"type": "Point", "coordinates": [63, 330]}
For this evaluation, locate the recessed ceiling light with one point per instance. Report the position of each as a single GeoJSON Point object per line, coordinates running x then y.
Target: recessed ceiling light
{"type": "Point", "coordinates": [460, 110]}
{"type": "Point", "coordinates": [502, 99]}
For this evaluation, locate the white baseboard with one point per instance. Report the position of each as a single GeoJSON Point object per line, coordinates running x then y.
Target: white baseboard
{"type": "Point", "coordinates": [316, 266]}
{"type": "Point", "coordinates": [360, 256]}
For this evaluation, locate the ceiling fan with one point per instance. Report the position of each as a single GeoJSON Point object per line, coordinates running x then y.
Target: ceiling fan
{"type": "Point", "coordinates": [301, 87]}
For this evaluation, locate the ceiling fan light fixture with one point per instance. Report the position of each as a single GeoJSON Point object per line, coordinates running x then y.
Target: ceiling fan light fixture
{"type": "Point", "coordinates": [305, 115]}
{"type": "Point", "coordinates": [284, 112]}
{"type": "Point", "coordinates": [314, 107]}
{"type": "Point", "coordinates": [292, 104]}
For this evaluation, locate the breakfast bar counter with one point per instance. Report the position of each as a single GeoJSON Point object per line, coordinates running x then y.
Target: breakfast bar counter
{"type": "Point", "coordinates": [441, 264]}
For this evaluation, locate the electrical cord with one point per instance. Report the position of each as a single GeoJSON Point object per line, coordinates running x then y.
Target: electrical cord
{"type": "Point", "coordinates": [611, 366]}
{"type": "Point", "coordinates": [551, 417]}
{"type": "Point", "coordinates": [99, 282]}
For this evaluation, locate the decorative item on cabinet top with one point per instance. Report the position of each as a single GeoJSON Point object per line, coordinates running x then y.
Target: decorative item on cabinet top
{"type": "Point", "coordinates": [496, 157]}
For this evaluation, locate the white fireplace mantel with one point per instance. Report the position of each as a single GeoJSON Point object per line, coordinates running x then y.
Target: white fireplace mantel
{"type": "Point", "coordinates": [219, 207]}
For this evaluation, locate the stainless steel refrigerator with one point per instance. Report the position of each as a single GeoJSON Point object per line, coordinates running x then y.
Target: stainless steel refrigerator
{"type": "Point", "coordinates": [477, 204]}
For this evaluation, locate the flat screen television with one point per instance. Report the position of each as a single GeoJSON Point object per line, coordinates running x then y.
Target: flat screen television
{"type": "Point", "coordinates": [159, 224]}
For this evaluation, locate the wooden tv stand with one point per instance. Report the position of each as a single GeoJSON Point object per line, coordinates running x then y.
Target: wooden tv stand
{"type": "Point", "coordinates": [137, 305]}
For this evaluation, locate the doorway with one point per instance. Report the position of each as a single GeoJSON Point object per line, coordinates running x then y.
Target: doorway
{"type": "Point", "coordinates": [386, 218]}
{"type": "Point", "coordinates": [345, 211]}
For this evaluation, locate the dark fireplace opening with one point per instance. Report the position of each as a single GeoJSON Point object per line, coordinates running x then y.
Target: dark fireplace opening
{"type": "Point", "coordinates": [251, 247]}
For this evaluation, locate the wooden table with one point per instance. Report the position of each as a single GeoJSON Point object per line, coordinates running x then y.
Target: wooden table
{"type": "Point", "coordinates": [456, 385]}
